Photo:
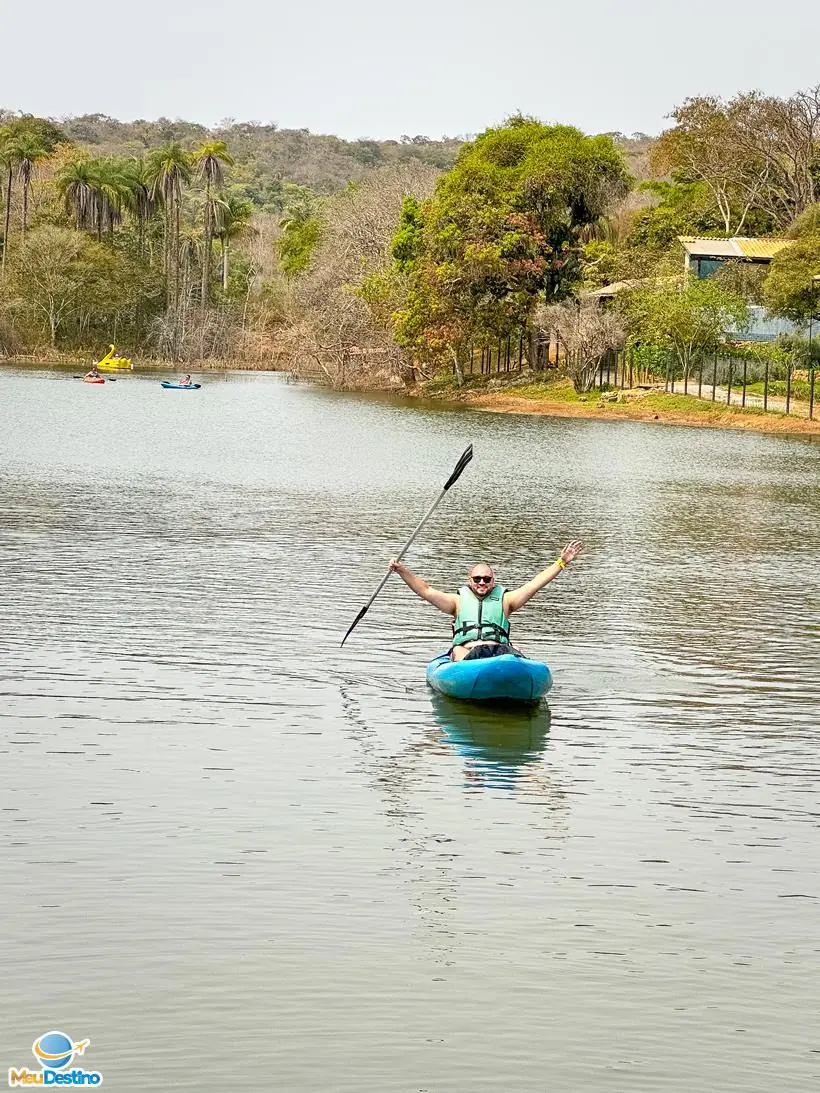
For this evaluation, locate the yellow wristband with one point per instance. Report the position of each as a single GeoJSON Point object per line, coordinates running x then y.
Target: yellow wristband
{"type": "Point", "coordinates": [561, 563]}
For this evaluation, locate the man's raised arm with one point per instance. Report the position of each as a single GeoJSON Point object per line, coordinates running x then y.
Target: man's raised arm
{"type": "Point", "coordinates": [444, 601]}
{"type": "Point", "coordinates": [518, 597]}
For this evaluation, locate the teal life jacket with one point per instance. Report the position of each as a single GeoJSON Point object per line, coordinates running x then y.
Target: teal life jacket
{"type": "Point", "coordinates": [481, 619]}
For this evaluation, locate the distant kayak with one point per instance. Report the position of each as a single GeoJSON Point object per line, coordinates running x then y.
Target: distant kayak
{"type": "Point", "coordinates": [181, 386]}
{"type": "Point", "coordinates": [88, 379]}
{"type": "Point", "coordinates": [506, 678]}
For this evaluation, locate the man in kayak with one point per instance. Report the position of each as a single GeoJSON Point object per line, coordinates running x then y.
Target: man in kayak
{"type": "Point", "coordinates": [481, 609]}
{"type": "Point", "coordinates": [186, 382]}
{"type": "Point", "coordinates": [94, 374]}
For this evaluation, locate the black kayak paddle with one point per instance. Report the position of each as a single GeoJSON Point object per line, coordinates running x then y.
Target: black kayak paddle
{"type": "Point", "coordinates": [466, 456]}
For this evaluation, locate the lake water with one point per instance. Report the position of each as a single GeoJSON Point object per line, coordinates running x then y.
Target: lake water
{"type": "Point", "coordinates": [235, 855]}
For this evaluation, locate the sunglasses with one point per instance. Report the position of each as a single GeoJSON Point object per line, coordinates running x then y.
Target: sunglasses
{"type": "Point", "coordinates": [481, 579]}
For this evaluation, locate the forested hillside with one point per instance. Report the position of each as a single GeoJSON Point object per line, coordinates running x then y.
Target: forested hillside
{"type": "Point", "coordinates": [267, 156]}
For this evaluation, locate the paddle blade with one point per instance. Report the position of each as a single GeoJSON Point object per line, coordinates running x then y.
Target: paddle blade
{"type": "Point", "coordinates": [355, 623]}
{"type": "Point", "coordinates": [466, 456]}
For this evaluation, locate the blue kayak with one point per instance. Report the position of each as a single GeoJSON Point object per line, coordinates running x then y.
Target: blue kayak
{"type": "Point", "coordinates": [506, 678]}
{"type": "Point", "coordinates": [181, 386]}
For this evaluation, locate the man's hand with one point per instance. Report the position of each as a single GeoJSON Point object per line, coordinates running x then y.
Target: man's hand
{"type": "Point", "coordinates": [395, 565]}
{"type": "Point", "coordinates": [572, 550]}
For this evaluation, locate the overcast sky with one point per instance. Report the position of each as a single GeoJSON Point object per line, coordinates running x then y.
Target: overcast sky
{"type": "Point", "coordinates": [378, 68]}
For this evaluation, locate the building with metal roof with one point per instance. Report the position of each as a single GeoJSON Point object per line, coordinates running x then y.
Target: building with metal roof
{"type": "Point", "coordinates": [703, 256]}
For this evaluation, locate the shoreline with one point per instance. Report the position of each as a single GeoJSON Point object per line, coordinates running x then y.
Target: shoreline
{"type": "Point", "coordinates": [645, 406]}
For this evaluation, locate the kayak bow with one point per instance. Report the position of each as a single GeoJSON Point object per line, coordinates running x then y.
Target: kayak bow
{"type": "Point", "coordinates": [505, 678]}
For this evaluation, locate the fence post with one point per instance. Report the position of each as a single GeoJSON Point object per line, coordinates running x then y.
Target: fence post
{"type": "Point", "coordinates": [686, 379]}
{"type": "Point", "coordinates": [471, 358]}
{"type": "Point", "coordinates": [601, 374]}
{"type": "Point", "coordinates": [673, 377]}
{"type": "Point", "coordinates": [766, 387]}
{"type": "Point", "coordinates": [520, 349]}
{"type": "Point", "coordinates": [714, 376]}
{"type": "Point", "coordinates": [811, 391]}
{"type": "Point", "coordinates": [743, 399]}
{"type": "Point", "coordinates": [729, 389]}
{"type": "Point", "coordinates": [788, 385]}
{"type": "Point", "coordinates": [700, 375]}
{"type": "Point", "coordinates": [630, 368]}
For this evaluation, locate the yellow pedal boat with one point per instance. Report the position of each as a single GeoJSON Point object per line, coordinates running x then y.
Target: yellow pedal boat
{"type": "Point", "coordinates": [113, 363]}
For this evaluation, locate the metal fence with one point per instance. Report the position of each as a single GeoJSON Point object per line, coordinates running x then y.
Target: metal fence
{"type": "Point", "coordinates": [737, 381]}
{"type": "Point", "coordinates": [514, 353]}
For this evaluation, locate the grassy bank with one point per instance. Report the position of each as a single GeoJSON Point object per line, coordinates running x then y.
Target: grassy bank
{"type": "Point", "coordinates": [556, 396]}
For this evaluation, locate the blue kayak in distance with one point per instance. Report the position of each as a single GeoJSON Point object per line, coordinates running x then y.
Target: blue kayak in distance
{"type": "Point", "coordinates": [181, 386]}
{"type": "Point", "coordinates": [505, 678]}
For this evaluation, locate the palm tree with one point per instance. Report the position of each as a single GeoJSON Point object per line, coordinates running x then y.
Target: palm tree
{"type": "Point", "coordinates": [167, 170]}
{"type": "Point", "coordinates": [110, 189]}
{"type": "Point", "coordinates": [233, 219]}
{"type": "Point", "coordinates": [209, 159]}
{"type": "Point", "coordinates": [190, 257]}
{"type": "Point", "coordinates": [137, 195]}
{"type": "Point", "coordinates": [8, 159]}
{"type": "Point", "coordinates": [30, 151]}
{"type": "Point", "coordinates": [77, 183]}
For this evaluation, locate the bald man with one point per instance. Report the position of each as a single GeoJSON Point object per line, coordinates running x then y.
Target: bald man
{"type": "Point", "coordinates": [481, 608]}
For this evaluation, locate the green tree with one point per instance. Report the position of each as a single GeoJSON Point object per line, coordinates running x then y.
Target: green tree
{"type": "Point", "coordinates": [210, 158]}
{"type": "Point", "coordinates": [686, 317]}
{"type": "Point", "coordinates": [807, 223]}
{"type": "Point", "coordinates": [168, 169]}
{"type": "Point", "coordinates": [48, 276]}
{"type": "Point", "coordinates": [792, 287]}
{"type": "Point", "coordinates": [96, 191]}
{"type": "Point", "coordinates": [501, 233]}
{"type": "Point", "coordinates": [301, 230]}
{"type": "Point", "coordinates": [137, 196]}
{"type": "Point", "coordinates": [30, 151]}
{"type": "Point", "coordinates": [233, 220]}
{"type": "Point", "coordinates": [8, 161]}
{"type": "Point", "coordinates": [112, 192]}
{"type": "Point", "coordinates": [682, 208]}
{"type": "Point", "coordinates": [76, 183]}
{"type": "Point", "coordinates": [23, 141]}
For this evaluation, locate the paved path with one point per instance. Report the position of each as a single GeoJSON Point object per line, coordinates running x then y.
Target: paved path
{"type": "Point", "coordinates": [775, 402]}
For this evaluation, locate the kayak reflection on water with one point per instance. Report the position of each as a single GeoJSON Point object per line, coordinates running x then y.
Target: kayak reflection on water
{"type": "Point", "coordinates": [501, 747]}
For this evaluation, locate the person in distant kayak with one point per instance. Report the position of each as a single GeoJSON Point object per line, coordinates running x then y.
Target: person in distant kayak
{"type": "Point", "coordinates": [94, 374]}
{"type": "Point", "coordinates": [481, 608]}
{"type": "Point", "coordinates": [186, 382]}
